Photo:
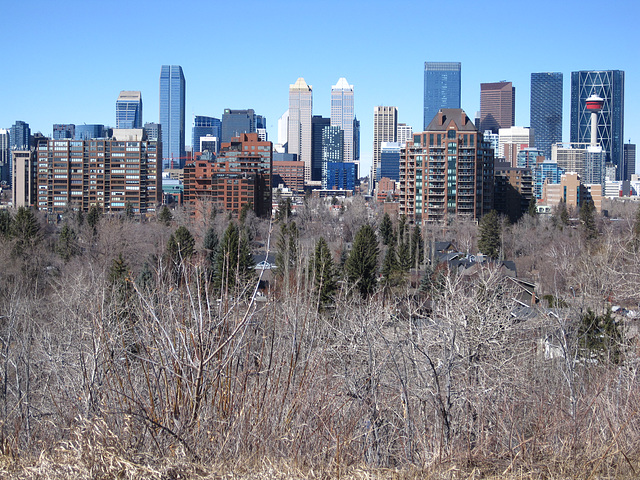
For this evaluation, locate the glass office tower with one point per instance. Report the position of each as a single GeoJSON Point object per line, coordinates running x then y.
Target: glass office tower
{"type": "Point", "coordinates": [172, 115]}
{"type": "Point", "coordinates": [203, 126]}
{"type": "Point", "coordinates": [609, 85]}
{"type": "Point", "coordinates": [129, 110]}
{"type": "Point", "coordinates": [441, 88]}
{"type": "Point", "coordinates": [546, 110]}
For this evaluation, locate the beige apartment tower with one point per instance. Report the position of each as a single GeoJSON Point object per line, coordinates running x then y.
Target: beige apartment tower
{"type": "Point", "coordinates": [385, 129]}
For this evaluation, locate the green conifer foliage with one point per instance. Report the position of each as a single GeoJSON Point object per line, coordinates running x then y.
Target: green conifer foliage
{"type": "Point", "coordinates": [362, 265]}
{"type": "Point", "coordinates": [322, 271]}
{"type": "Point", "coordinates": [489, 241]}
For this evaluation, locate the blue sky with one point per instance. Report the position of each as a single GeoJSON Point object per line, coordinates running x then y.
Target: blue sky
{"type": "Point", "coordinates": [66, 62]}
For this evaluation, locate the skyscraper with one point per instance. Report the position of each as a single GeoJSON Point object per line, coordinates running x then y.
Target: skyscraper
{"type": "Point", "coordinates": [546, 110]}
{"type": "Point", "coordinates": [20, 133]}
{"type": "Point", "coordinates": [497, 106]}
{"type": "Point", "coordinates": [385, 129]}
{"type": "Point", "coordinates": [608, 85]}
{"type": "Point", "coordinates": [441, 88]}
{"type": "Point", "coordinates": [630, 159]}
{"type": "Point", "coordinates": [237, 122]}
{"type": "Point", "coordinates": [172, 115]}
{"type": "Point", "coordinates": [129, 110]}
{"type": "Point", "coordinates": [62, 131]}
{"type": "Point", "coordinates": [5, 155]}
{"type": "Point", "coordinates": [332, 149]}
{"type": "Point", "coordinates": [318, 122]}
{"type": "Point", "coordinates": [203, 126]}
{"type": "Point", "coordinates": [87, 132]}
{"type": "Point", "coordinates": [300, 112]}
{"type": "Point", "coordinates": [342, 115]}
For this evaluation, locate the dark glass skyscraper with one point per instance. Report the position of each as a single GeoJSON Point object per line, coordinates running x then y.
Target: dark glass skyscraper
{"type": "Point", "coordinates": [172, 113]}
{"type": "Point", "coordinates": [546, 110]}
{"type": "Point", "coordinates": [441, 88]}
{"type": "Point", "coordinates": [318, 122]}
{"type": "Point", "coordinates": [203, 126]}
{"type": "Point", "coordinates": [87, 132]}
{"type": "Point", "coordinates": [609, 85]}
{"type": "Point", "coordinates": [62, 131]}
{"type": "Point", "coordinates": [20, 133]}
{"type": "Point", "coordinates": [237, 122]}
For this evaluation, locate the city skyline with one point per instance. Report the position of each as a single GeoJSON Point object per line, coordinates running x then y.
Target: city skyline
{"type": "Point", "coordinates": [88, 97]}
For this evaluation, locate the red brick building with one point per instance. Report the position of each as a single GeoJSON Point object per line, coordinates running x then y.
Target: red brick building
{"type": "Point", "coordinates": [240, 175]}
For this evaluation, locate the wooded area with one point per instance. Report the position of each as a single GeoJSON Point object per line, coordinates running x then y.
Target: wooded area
{"type": "Point", "coordinates": [126, 346]}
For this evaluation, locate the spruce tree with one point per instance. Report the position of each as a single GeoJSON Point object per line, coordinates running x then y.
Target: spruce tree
{"type": "Point", "coordinates": [390, 270]}
{"type": "Point", "coordinates": [417, 247]}
{"type": "Point", "coordinates": [93, 217]}
{"type": "Point", "coordinates": [67, 246]}
{"type": "Point", "coordinates": [362, 265]}
{"type": "Point", "coordinates": [587, 217]}
{"type": "Point", "coordinates": [233, 260]}
{"type": "Point", "coordinates": [489, 241]}
{"type": "Point", "coordinates": [5, 223]}
{"type": "Point", "coordinates": [532, 206]}
{"type": "Point", "coordinates": [386, 229]}
{"type": "Point", "coordinates": [165, 216]}
{"type": "Point", "coordinates": [322, 271]}
{"type": "Point", "coordinates": [25, 230]}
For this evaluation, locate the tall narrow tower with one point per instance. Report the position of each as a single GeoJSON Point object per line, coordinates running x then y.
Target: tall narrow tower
{"type": "Point", "coordinates": [342, 115]}
{"type": "Point", "coordinates": [172, 115]}
{"type": "Point", "coordinates": [300, 112]}
{"type": "Point", "coordinates": [385, 129]}
{"type": "Point", "coordinates": [594, 105]}
{"type": "Point", "coordinates": [129, 110]}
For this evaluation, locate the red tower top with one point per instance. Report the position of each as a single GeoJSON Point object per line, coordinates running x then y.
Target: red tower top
{"type": "Point", "coordinates": [594, 103]}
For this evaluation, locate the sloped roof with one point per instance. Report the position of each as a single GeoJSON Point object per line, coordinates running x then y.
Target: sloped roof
{"type": "Point", "coordinates": [445, 116]}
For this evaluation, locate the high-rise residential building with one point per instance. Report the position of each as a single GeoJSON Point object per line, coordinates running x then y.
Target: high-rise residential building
{"type": "Point", "coordinates": [573, 191]}
{"type": "Point", "coordinates": [332, 149]}
{"type": "Point", "coordinates": [405, 133]}
{"type": "Point", "coordinates": [300, 113]}
{"type": "Point", "coordinates": [318, 123]}
{"type": "Point", "coordinates": [586, 160]}
{"type": "Point", "coordinates": [497, 106]}
{"type": "Point", "coordinates": [342, 115]}
{"type": "Point", "coordinates": [79, 174]}
{"type": "Point", "coordinates": [239, 175]}
{"type": "Point", "coordinates": [608, 85]}
{"type": "Point", "coordinates": [5, 155]}
{"type": "Point", "coordinates": [62, 131]}
{"type": "Point", "coordinates": [90, 131]}
{"type": "Point", "coordinates": [546, 110]}
{"type": "Point", "coordinates": [529, 157]}
{"type": "Point", "coordinates": [24, 177]}
{"type": "Point", "coordinates": [129, 110]}
{"type": "Point", "coordinates": [237, 122]}
{"type": "Point", "coordinates": [630, 159]}
{"type": "Point", "coordinates": [512, 190]}
{"type": "Point", "coordinates": [20, 134]}
{"type": "Point", "coordinates": [513, 139]}
{"type": "Point", "coordinates": [385, 129]}
{"type": "Point", "coordinates": [287, 172]}
{"type": "Point", "coordinates": [545, 172]}
{"type": "Point", "coordinates": [446, 170]}
{"type": "Point", "coordinates": [441, 88]}
{"type": "Point", "coordinates": [203, 126]}
{"type": "Point", "coordinates": [172, 115]}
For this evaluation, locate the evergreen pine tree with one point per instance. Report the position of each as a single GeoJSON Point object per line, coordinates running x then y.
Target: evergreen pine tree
{"type": "Point", "coordinates": [362, 265]}
{"type": "Point", "coordinates": [128, 211]}
{"type": "Point", "coordinates": [93, 217]}
{"type": "Point", "coordinates": [233, 260]}
{"type": "Point", "coordinates": [323, 273]}
{"type": "Point", "coordinates": [5, 223]}
{"type": "Point", "coordinates": [165, 216]}
{"type": "Point", "coordinates": [386, 229]}
{"type": "Point", "coordinates": [66, 246]}
{"type": "Point", "coordinates": [390, 270]}
{"type": "Point", "coordinates": [25, 230]}
{"type": "Point", "coordinates": [417, 247]}
{"type": "Point", "coordinates": [532, 206]}
{"type": "Point", "coordinates": [587, 217]}
{"type": "Point", "coordinates": [489, 241]}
